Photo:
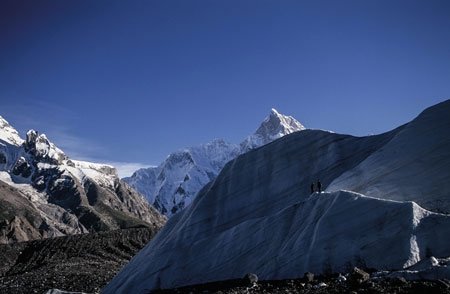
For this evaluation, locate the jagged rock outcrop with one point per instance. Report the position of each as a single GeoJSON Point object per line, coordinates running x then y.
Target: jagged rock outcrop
{"type": "Point", "coordinates": [45, 194]}
{"type": "Point", "coordinates": [42, 149]}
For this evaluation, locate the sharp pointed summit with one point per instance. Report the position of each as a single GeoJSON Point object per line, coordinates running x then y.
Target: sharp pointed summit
{"type": "Point", "coordinates": [274, 126]}
{"type": "Point", "coordinates": [277, 125]}
{"type": "Point", "coordinates": [8, 133]}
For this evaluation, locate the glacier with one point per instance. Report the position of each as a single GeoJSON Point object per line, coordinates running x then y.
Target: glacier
{"type": "Point", "coordinates": [326, 232]}
{"type": "Point", "coordinates": [413, 166]}
{"type": "Point", "coordinates": [258, 215]}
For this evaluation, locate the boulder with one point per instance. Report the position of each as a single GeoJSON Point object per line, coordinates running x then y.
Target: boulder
{"type": "Point", "coordinates": [358, 276]}
{"type": "Point", "coordinates": [250, 279]}
{"type": "Point", "coordinates": [308, 277]}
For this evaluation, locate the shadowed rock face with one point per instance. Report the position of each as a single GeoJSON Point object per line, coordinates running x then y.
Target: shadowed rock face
{"type": "Point", "coordinates": [45, 194]}
{"type": "Point", "coordinates": [258, 216]}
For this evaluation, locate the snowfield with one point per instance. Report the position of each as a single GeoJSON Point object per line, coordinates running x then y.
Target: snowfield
{"type": "Point", "coordinates": [258, 215]}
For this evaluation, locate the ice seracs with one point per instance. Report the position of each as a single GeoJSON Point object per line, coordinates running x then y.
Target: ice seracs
{"type": "Point", "coordinates": [173, 184]}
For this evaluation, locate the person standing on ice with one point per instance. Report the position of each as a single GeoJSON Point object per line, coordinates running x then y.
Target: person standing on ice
{"type": "Point", "coordinates": [319, 186]}
{"type": "Point", "coordinates": [312, 188]}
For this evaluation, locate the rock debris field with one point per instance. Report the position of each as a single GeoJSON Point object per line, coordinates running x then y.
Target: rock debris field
{"type": "Point", "coordinates": [82, 263]}
{"type": "Point", "coordinates": [356, 281]}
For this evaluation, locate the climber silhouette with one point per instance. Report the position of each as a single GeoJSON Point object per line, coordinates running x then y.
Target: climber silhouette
{"type": "Point", "coordinates": [319, 186]}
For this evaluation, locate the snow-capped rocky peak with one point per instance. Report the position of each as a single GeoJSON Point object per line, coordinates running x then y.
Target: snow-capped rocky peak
{"type": "Point", "coordinates": [42, 148]}
{"type": "Point", "coordinates": [9, 134]}
{"type": "Point", "coordinates": [275, 126]}
{"type": "Point", "coordinates": [52, 195]}
{"type": "Point", "coordinates": [175, 182]}
{"type": "Point", "coordinates": [218, 152]}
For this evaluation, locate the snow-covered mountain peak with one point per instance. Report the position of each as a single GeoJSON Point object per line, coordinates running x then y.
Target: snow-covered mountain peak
{"type": "Point", "coordinates": [275, 112]}
{"type": "Point", "coordinates": [52, 195]}
{"type": "Point", "coordinates": [9, 134]}
{"type": "Point", "coordinates": [277, 123]}
{"type": "Point", "coordinates": [175, 182]}
{"type": "Point", "coordinates": [41, 147]}
{"type": "Point", "coordinates": [274, 126]}
{"type": "Point", "coordinates": [214, 148]}
{"type": "Point", "coordinates": [31, 137]}
{"type": "Point", "coordinates": [216, 142]}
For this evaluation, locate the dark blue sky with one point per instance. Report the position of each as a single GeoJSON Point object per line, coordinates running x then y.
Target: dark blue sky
{"type": "Point", "coordinates": [131, 81]}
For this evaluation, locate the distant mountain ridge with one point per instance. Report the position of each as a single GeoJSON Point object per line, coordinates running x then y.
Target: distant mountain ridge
{"type": "Point", "coordinates": [43, 193]}
{"type": "Point", "coordinates": [173, 184]}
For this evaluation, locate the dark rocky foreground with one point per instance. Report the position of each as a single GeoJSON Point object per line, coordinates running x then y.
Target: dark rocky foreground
{"type": "Point", "coordinates": [85, 263]}
{"type": "Point", "coordinates": [354, 282]}
{"type": "Point", "coordinates": [72, 263]}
